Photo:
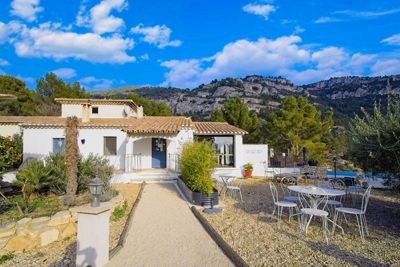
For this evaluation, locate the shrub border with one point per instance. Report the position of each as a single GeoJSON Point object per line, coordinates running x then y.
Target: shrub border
{"type": "Point", "coordinates": [224, 246]}
{"type": "Point", "coordinates": [122, 238]}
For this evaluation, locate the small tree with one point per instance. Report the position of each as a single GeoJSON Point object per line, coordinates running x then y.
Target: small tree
{"type": "Point", "coordinates": [197, 162]}
{"type": "Point", "coordinates": [375, 139]}
{"type": "Point", "coordinates": [236, 113]}
{"type": "Point", "coordinates": [298, 124]}
{"type": "Point", "coordinates": [72, 157]}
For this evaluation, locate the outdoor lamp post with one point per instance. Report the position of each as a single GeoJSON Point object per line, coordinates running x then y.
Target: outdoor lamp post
{"type": "Point", "coordinates": [95, 187]}
{"type": "Point", "coordinates": [284, 155]}
{"type": "Point", "coordinates": [334, 165]}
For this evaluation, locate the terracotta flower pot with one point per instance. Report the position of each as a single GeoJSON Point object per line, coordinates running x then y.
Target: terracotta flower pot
{"type": "Point", "coordinates": [248, 173]}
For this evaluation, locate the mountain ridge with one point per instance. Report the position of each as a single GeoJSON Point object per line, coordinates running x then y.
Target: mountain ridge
{"type": "Point", "coordinates": [344, 94]}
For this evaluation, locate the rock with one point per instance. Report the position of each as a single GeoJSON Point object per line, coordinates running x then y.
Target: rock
{"type": "Point", "coordinates": [3, 242]}
{"type": "Point", "coordinates": [60, 218]}
{"type": "Point", "coordinates": [74, 214]}
{"type": "Point", "coordinates": [7, 230]}
{"type": "Point", "coordinates": [18, 243]}
{"type": "Point", "coordinates": [24, 221]}
{"type": "Point", "coordinates": [48, 236]}
{"type": "Point", "coordinates": [40, 220]}
{"type": "Point", "coordinates": [69, 230]}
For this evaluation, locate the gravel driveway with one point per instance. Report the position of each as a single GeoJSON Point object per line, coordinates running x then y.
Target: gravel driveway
{"type": "Point", "coordinates": [164, 232]}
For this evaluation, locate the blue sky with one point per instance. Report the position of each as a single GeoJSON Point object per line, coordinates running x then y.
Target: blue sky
{"type": "Point", "coordinates": [111, 43]}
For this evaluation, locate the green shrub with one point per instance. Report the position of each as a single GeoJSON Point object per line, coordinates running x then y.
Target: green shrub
{"type": "Point", "coordinates": [6, 257]}
{"type": "Point", "coordinates": [92, 166]}
{"type": "Point", "coordinates": [10, 152]}
{"type": "Point", "coordinates": [119, 212]}
{"type": "Point", "coordinates": [55, 163]}
{"type": "Point", "coordinates": [32, 177]}
{"type": "Point", "coordinates": [88, 168]}
{"type": "Point", "coordinates": [197, 162]}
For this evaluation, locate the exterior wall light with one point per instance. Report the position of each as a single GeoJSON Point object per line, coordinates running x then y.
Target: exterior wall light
{"type": "Point", "coordinates": [96, 187]}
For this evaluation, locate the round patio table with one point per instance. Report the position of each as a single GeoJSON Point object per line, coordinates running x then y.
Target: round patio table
{"type": "Point", "coordinates": [316, 194]}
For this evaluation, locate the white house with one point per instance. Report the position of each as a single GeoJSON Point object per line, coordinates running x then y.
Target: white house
{"type": "Point", "coordinates": [135, 144]}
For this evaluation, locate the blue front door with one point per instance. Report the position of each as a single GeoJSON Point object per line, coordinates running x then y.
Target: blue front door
{"type": "Point", "coordinates": [159, 153]}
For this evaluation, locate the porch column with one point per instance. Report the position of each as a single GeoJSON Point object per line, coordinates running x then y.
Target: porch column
{"type": "Point", "coordinates": [128, 154]}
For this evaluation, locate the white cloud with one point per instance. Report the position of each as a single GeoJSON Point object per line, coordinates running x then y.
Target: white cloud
{"type": "Point", "coordinates": [323, 20]}
{"type": "Point", "coordinates": [4, 62]}
{"type": "Point", "coordinates": [329, 57]}
{"type": "Point", "coordinates": [99, 17]}
{"type": "Point", "coordinates": [26, 9]}
{"type": "Point", "coordinates": [392, 40]}
{"type": "Point", "coordinates": [367, 14]}
{"type": "Point", "coordinates": [102, 21]}
{"type": "Point", "coordinates": [145, 57]}
{"type": "Point", "coordinates": [50, 41]}
{"type": "Point", "coordinates": [158, 35]}
{"type": "Point", "coordinates": [238, 58]}
{"type": "Point", "coordinates": [3, 32]}
{"type": "Point", "coordinates": [65, 73]}
{"type": "Point", "coordinates": [347, 15]}
{"type": "Point", "coordinates": [92, 83]}
{"type": "Point", "coordinates": [386, 67]}
{"type": "Point", "coordinates": [263, 10]}
{"type": "Point", "coordinates": [298, 30]}
{"type": "Point", "coordinates": [284, 56]}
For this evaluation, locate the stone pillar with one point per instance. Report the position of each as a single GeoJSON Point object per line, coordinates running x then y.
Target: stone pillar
{"type": "Point", "coordinates": [93, 236]}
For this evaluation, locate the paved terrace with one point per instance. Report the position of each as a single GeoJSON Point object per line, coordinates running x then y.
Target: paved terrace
{"type": "Point", "coordinates": [164, 232]}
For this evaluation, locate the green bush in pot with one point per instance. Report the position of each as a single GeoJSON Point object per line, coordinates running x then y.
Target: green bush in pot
{"type": "Point", "coordinates": [197, 162]}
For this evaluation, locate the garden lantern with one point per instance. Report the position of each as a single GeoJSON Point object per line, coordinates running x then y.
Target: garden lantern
{"type": "Point", "coordinates": [96, 187]}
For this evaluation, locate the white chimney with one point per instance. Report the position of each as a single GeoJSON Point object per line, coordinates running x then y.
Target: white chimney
{"type": "Point", "coordinates": [139, 112]}
{"type": "Point", "coordinates": [85, 113]}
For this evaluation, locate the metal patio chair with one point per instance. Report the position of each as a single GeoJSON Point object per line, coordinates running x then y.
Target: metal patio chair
{"type": "Point", "coordinates": [233, 189]}
{"type": "Point", "coordinates": [288, 195]}
{"type": "Point", "coordinates": [280, 204]}
{"type": "Point", "coordinates": [359, 213]}
{"type": "Point", "coordinates": [333, 203]}
{"type": "Point", "coordinates": [308, 210]}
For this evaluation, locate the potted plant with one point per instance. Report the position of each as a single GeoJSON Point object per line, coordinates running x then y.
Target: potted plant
{"type": "Point", "coordinates": [197, 162]}
{"type": "Point", "coordinates": [248, 170]}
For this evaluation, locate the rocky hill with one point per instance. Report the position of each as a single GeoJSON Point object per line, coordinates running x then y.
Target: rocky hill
{"type": "Point", "coordinates": [345, 94]}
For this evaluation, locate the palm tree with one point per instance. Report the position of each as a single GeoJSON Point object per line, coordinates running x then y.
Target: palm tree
{"type": "Point", "coordinates": [72, 157]}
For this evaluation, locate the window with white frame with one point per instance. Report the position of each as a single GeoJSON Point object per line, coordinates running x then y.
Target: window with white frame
{"type": "Point", "coordinates": [223, 146]}
{"type": "Point", "coordinates": [58, 145]}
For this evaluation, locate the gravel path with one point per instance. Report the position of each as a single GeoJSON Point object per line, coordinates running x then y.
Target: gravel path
{"type": "Point", "coordinates": [164, 232]}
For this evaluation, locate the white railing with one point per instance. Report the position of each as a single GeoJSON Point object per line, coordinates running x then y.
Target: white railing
{"type": "Point", "coordinates": [133, 162]}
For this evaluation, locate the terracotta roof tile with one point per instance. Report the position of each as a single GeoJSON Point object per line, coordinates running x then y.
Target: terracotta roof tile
{"type": "Point", "coordinates": [148, 124]}
{"type": "Point", "coordinates": [209, 128]}
{"type": "Point", "coordinates": [158, 125]}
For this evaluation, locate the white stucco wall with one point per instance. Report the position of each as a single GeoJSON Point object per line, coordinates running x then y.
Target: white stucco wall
{"type": "Point", "coordinates": [38, 142]}
{"type": "Point", "coordinates": [258, 156]}
{"type": "Point", "coordinates": [105, 111]}
{"type": "Point", "coordinates": [9, 129]}
{"type": "Point", "coordinates": [70, 110]}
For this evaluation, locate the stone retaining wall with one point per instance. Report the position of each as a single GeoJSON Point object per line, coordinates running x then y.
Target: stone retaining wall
{"type": "Point", "coordinates": [29, 233]}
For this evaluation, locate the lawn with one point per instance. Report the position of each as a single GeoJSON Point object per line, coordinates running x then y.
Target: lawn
{"type": "Point", "coordinates": [253, 232]}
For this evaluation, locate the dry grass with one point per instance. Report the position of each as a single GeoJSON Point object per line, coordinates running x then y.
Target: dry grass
{"type": "Point", "coordinates": [253, 232]}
